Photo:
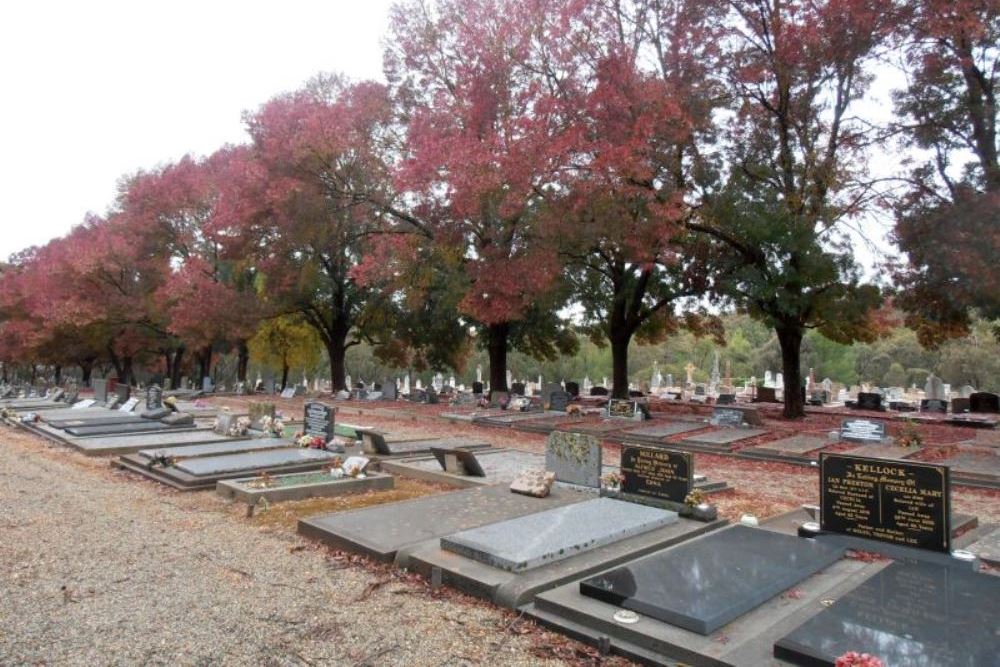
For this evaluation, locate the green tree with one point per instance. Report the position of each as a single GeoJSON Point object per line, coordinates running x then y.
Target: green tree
{"type": "Point", "coordinates": [284, 343]}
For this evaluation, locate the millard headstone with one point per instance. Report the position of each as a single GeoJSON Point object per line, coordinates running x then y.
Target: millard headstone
{"type": "Point", "coordinates": [575, 458]}
{"type": "Point", "coordinates": [892, 501]}
{"type": "Point", "coordinates": [862, 430]}
{"type": "Point", "coordinates": [318, 420]}
{"type": "Point", "coordinates": [656, 474]}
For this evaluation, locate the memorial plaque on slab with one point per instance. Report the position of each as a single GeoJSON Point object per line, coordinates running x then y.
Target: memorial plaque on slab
{"type": "Point", "coordinates": [899, 502]}
{"type": "Point", "coordinates": [288, 392]}
{"type": "Point", "coordinates": [659, 474]}
{"type": "Point", "coordinates": [318, 420]}
{"type": "Point", "coordinates": [862, 430]}
{"type": "Point", "coordinates": [727, 417]}
{"type": "Point", "coordinates": [154, 397]}
{"type": "Point", "coordinates": [129, 405]}
{"type": "Point", "coordinates": [575, 458]}
{"type": "Point", "coordinates": [618, 407]}
{"type": "Point", "coordinates": [458, 461]}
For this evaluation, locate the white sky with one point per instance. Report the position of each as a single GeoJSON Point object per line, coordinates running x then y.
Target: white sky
{"type": "Point", "coordinates": [96, 89]}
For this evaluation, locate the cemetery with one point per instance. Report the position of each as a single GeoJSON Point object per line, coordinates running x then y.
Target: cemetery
{"type": "Point", "coordinates": [595, 334]}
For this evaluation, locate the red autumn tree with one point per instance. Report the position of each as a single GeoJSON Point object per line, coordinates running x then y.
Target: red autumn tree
{"type": "Point", "coordinates": [948, 221]}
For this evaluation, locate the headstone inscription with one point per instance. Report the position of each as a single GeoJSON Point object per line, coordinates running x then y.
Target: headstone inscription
{"type": "Point", "coordinates": [862, 430]}
{"type": "Point", "coordinates": [100, 390]}
{"type": "Point", "coordinates": [726, 417]}
{"type": "Point", "coordinates": [902, 503]}
{"type": "Point", "coordinates": [656, 474]}
{"type": "Point", "coordinates": [984, 402]}
{"type": "Point", "coordinates": [575, 458]}
{"type": "Point", "coordinates": [318, 420]}
{"type": "Point", "coordinates": [458, 462]}
{"type": "Point", "coordinates": [618, 407]}
{"type": "Point", "coordinates": [154, 397]}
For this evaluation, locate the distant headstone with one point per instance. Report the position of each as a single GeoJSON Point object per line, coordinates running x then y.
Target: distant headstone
{"type": "Point", "coordinates": [547, 391]}
{"type": "Point", "coordinates": [575, 458]}
{"type": "Point", "coordinates": [257, 412]}
{"type": "Point", "coordinates": [862, 430]}
{"type": "Point", "coordinates": [559, 401]}
{"type": "Point", "coordinates": [892, 501]}
{"type": "Point", "coordinates": [288, 392]}
{"type": "Point", "coordinates": [984, 402]}
{"type": "Point", "coordinates": [598, 391]}
{"type": "Point", "coordinates": [207, 385]}
{"type": "Point", "coordinates": [298, 390]}
{"type": "Point", "coordinates": [318, 420]}
{"type": "Point", "coordinates": [934, 388]}
{"type": "Point", "coordinates": [728, 417]}
{"type": "Point", "coordinates": [389, 391]}
{"type": "Point", "coordinates": [726, 399]}
{"type": "Point", "coordinates": [100, 390]}
{"type": "Point", "coordinates": [766, 395]}
{"type": "Point", "coordinates": [477, 388]}
{"type": "Point", "coordinates": [869, 401]}
{"type": "Point", "coordinates": [656, 474]}
{"type": "Point", "coordinates": [618, 407]}
{"type": "Point", "coordinates": [154, 397]}
{"type": "Point", "coordinates": [517, 388]}
{"type": "Point", "coordinates": [934, 405]}
{"type": "Point", "coordinates": [224, 422]}
{"type": "Point", "coordinates": [573, 389]}
{"type": "Point", "coordinates": [960, 405]}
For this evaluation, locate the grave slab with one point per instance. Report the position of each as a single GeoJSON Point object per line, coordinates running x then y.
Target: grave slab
{"type": "Point", "coordinates": [885, 452]}
{"type": "Point", "coordinates": [547, 424]}
{"type": "Point", "coordinates": [987, 548]}
{"type": "Point", "coordinates": [144, 426]}
{"type": "Point", "coordinates": [204, 466]}
{"type": "Point", "coordinates": [384, 533]}
{"type": "Point", "coordinates": [910, 613]}
{"type": "Point", "coordinates": [658, 432]}
{"type": "Point", "coordinates": [63, 424]}
{"type": "Point", "coordinates": [704, 584]}
{"type": "Point", "coordinates": [126, 444]}
{"type": "Point", "coordinates": [522, 544]}
{"type": "Point", "coordinates": [224, 447]}
{"type": "Point", "coordinates": [299, 486]}
{"type": "Point", "coordinates": [500, 465]}
{"type": "Point", "coordinates": [721, 440]}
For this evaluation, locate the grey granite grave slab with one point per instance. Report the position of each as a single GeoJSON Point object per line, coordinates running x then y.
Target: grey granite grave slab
{"type": "Point", "coordinates": [124, 444]}
{"type": "Point", "coordinates": [547, 424]}
{"type": "Point", "coordinates": [910, 613]}
{"type": "Point", "coordinates": [268, 458]}
{"type": "Point", "coordinates": [68, 423]}
{"type": "Point", "coordinates": [500, 466]}
{"type": "Point", "coordinates": [227, 446]}
{"type": "Point", "coordinates": [575, 458]}
{"type": "Point", "coordinates": [86, 413]}
{"type": "Point", "coordinates": [512, 418]}
{"type": "Point", "coordinates": [386, 532]}
{"type": "Point", "coordinates": [410, 448]}
{"type": "Point", "coordinates": [987, 547]}
{"type": "Point", "coordinates": [885, 451]}
{"type": "Point", "coordinates": [657, 432]}
{"type": "Point", "coordinates": [795, 445]}
{"type": "Point", "coordinates": [301, 485]}
{"type": "Point", "coordinates": [142, 426]}
{"type": "Point", "coordinates": [722, 439]}
{"type": "Point", "coordinates": [604, 427]}
{"type": "Point", "coordinates": [522, 544]}
{"type": "Point", "coordinates": [704, 584]}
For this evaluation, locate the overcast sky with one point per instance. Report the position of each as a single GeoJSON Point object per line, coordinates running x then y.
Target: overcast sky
{"type": "Point", "coordinates": [98, 89]}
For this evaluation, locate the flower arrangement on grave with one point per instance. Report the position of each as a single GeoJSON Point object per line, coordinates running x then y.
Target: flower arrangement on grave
{"type": "Point", "coordinates": [855, 659]}
{"type": "Point", "coordinates": [239, 428]}
{"type": "Point", "coordinates": [909, 435]}
{"type": "Point", "coordinates": [695, 498]}
{"type": "Point", "coordinates": [353, 471]}
{"type": "Point", "coordinates": [612, 480]}
{"type": "Point", "coordinates": [310, 441]}
{"type": "Point", "coordinates": [263, 481]}
{"type": "Point", "coordinates": [272, 426]}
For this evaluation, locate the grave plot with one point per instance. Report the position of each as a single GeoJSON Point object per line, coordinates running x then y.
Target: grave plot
{"type": "Point", "coordinates": [602, 428]}
{"type": "Point", "coordinates": [801, 449]}
{"type": "Point", "coordinates": [389, 533]}
{"type": "Point", "coordinates": [299, 486]}
{"type": "Point", "coordinates": [547, 424]}
{"type": "Point", "coordinates": [906, 614]}
{"type": "Point", "coordinates": [979, 467]}
{"type": "Point", "coordinates": [722, 441]}
{"type": "Point", "coordinates": [509, 418]}
{"type": "Point", "coordinates": [94, 420]}
{"type": "Point", "coordinates": [142, 426]}
{"type": "Point", "coordinates": [987, 547]}
{"type": "Point", "coordinates": [127, 444]}
{"type": "Point", "coordinates": [509, 562]}
{"type": "Point", "coordinates": [498, 466]}
{"type": "Point", "coordinates": [376, 443]}
{"type": "Point", "coordinates": [50, 416]}
{"type": "Point", "coordinates": [885, 451]}
{"type": "Point", "coordinates": [203, 472]}
{"type": "Point", "coordinates": [657, 434]}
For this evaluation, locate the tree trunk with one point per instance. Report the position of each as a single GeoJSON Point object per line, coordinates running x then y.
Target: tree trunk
{"type": "Point", "coordinates": [790, 340]}
{"type": "Point", "coordinates": [244, 361]}
{"type": "Point", "coordinates": [619, 366]}
{"type": "Point", "coordinates": [337, 351]}
{"type": "Point", "coordinates": [125, 376]}
{"type": "Point", "coordinates": [284, 375]}
{"type": "Point", "coordinates": [177, 367]}
{"type": "Point", "coordinates": [58, 374]}
{"type": "Point", "coordinates": [205, 362]}
{"type": "Point", "coordinates": [497, 346]}
{"type": "Point", "coordinates": [86, 370]}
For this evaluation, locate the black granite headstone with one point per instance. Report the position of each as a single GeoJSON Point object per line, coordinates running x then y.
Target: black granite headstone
{"type": "Point", "coordinates": [154, 397]}
{"type": "Point", "coordinates": [900, 502]}
{"type": "Point", "coordinates": [869, 401]}
{"type": "Point", "coordinates": [766, 395]}
{"type": "Point", "coordinates": [934, 405]}
{"type": "Point", "coordinates": [559, 401]}
{"type": "Point", "coordinates": [960, 405]}
{"type": "Point", "coordinates": [477, 387]}
{"type": "Point", "coordinates": [862, 430]}
{"type": "Point", "coordinates": [599, 391]}
{"type": "Point", "coordinates": [573, 389]}
{"type": "Point", "coordinates": [727, 417]}
{"type": "Point", "coordinates": [657, 474]}
{"type": "Point", "coordinates": [910, 613]}
{"type": "Point", "coordinates": [318, 421]}
{"type": "Point", "coordinates": [517, 388]}
{"type": "Point", "coordinates": [618, 407]}
{"type": "Point", "coordinates": [726, 399]}
{"type": "Point", "coordinates": [389, 392]}
{"type": "Point", "coordinates": [983, 401]}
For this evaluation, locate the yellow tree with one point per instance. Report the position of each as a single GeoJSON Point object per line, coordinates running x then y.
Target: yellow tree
{"type": "Point", "coordinates": [284, 343]}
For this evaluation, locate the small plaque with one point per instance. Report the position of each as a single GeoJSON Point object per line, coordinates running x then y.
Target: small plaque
{"type": "Point", "coordinates": [727, 417]}
{"type": "Point", "coordinates": [862, 430]}
{"type": "Point", "coordinates": [618, 407]}
{"type": "Point", "coordinates": [318, 421]}
{"type": "Point", "coordinates": [892, 501]}
{"type": "Point", "coordinates": [657, 473]}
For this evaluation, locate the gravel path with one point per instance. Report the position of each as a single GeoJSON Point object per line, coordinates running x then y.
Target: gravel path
{"type": "Point", "coordinates": [98, 568]}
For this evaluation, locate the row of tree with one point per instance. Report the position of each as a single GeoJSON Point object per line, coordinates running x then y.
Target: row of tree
{"type": "Point", "coordinates": [531, 167]}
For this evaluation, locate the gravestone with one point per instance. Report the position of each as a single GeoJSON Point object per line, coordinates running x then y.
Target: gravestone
{"type": "Point", "coordinates": [517, 388]}
{"type": "Point", "coordinates": [318, 420]}
{"type": "Point", "coordinates": [389, 391]}
{"type": "Point", "coordinates": [984, 402]}
{"type": "Point", "coordinates": [288, 392]}
{"type": "Point", "coordinates": [934, 405]}
{"type": "Point", "coordinates": [898, 502]}
{"type": "Point", "coordinates": [123, 391]}
{"type": "Point", "coordinates": [207, 385]}
{"type": "Point", "coordinates": [575, 458]}
{"type": "Point", "coordinates": [223, 422]}
{"type": "Point", "coordinates": [766, 395]}
{"type": "Point", "coordinates": [499, 399]}
{"type": "Point", "coordinates": [559, 401]}
{"type": "Point", "coordinates": [477, 388]}
{"type": "Point", "coordinates": [869, 401]}
{"type": "Point", "coordinates": [598, 391]}
{"type": "Point", "coordinates": [728, 417]}
{"type": "Point", "coordinates": [257, 412]}
{"type": "Point", "coordinates": [298, 390]}
{"type": "Point", "coordinates": [934, 388]}
{"type": "Point", "coordinates": [458, 462]}
{"type": "Point", "coordinates": [100, 390]}
{"type": "Point", "coordinates": [547, 391]}
{"type": "Point", "coordinates": [573, 389]}
{"type": "Point", "coordinates": [655, 474]}
{"type": "Point", "coordinates": [726, 399]}
{"type": "Point", "coordinates": [269, 386]}
{"type": "Point", "coordinates": [960, 405]}
{"type": "Point", "coordinates": [862, 430]}
{"type": "Point", "coordinates": [154, 397]}
{"type": "Point", "coordinates": [618, 407]}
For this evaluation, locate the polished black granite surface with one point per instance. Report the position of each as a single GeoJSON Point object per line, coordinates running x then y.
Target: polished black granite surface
{"type": "Point", "coordinates": [913, 614]}
{"type": "Point", "coordinates": [704, 584]}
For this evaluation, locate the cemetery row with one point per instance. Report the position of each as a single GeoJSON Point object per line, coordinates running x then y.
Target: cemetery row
{"type": "Point", "coordinates": [633, 558]}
